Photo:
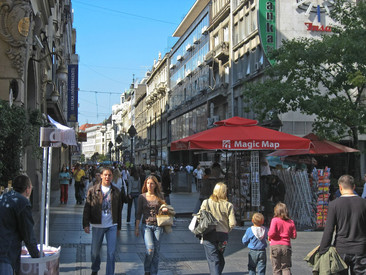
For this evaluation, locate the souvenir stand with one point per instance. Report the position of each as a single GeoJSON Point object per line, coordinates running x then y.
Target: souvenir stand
{"type": "Point", "coordinates": [243, 180]}
{"type": "Point", "coordinates": [321, 178]}
{"type": "Point", "coordinates": [309, 197]}
{"type": "Point", "coordinates": [244, 139]}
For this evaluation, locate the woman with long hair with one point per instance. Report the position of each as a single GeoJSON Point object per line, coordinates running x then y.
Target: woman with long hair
{"type": "Point", "coordinates": [215, 242]}
{"type": "Point", "coordinates": [149, 203]}
{"type": "Point", "coordinates": [281, 231]}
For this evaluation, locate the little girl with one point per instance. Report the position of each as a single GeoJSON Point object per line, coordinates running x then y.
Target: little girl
{"type": "Point", "coordinates": [281, 231]}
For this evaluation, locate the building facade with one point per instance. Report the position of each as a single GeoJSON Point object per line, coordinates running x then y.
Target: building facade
{"type": "Point", "coordinates": [37, 43]}
{"type": "Point", "coordinates": [156, 103]}
{"type": "Point", "coordinates": [189, 78]}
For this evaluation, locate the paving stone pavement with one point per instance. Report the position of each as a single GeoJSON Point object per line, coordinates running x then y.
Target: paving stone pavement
{"type": "Point", "coordinates": [181, 252]}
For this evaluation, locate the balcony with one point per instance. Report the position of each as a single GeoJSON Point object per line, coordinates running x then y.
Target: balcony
{"type": "Point", "coordinates": [219, 93]}
{"type": "Point", "coordinates": [162, 87]}
{"type": "Point", "coordinates": [209, 58]}
{"type": "Point", "coordinates": [222, 51]}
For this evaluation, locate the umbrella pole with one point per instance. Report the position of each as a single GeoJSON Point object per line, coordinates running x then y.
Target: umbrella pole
{"type": "Point", "coordinates": [43, 198]}
{"type": "Point", "coordinates": [47, 237]}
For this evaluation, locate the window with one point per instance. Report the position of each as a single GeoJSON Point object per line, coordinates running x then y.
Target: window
{"type": "Point", "coordinates": [226, 77]}
{"type": "Point", "coordinates": [216, 40]}
{"type": "Point", "coordinates": [226, 33]}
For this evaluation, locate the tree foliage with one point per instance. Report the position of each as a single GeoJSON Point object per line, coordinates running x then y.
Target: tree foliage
{"type": "Point", "coordinates": [19, 129]}
{"type": "Point", "coordinates": [324, 77]}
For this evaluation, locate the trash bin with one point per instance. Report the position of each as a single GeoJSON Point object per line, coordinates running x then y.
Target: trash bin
{"type": "Point", "coordinates": [47, 265]}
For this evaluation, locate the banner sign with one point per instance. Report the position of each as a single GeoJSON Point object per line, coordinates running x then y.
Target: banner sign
{"type": "Point", "coordinates": [267, 25]}
{"type": "Point", "coordinates": [72, 90]}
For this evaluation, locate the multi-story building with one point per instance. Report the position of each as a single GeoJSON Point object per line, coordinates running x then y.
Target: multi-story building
{"type": "Point", "coordinates": [37, 43]}
{"type": "Point", "coordinates": [94, 141]}
{"type": "Point", "coordinates": [189, 77]}
{"type": "Point", "coordinates": [156, 102]}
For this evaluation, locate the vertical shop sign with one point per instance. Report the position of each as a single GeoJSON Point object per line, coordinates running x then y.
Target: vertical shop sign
{"type": "Point", "coordinates": [267, 26]}
{"type": "Point", "coordinates": [72, 90]}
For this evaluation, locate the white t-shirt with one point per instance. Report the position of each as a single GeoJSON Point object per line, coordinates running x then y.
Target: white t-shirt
{"type": "Point", "coordinates": [198, 173]}
{"type": "Point", "coordinates": [107, 220]}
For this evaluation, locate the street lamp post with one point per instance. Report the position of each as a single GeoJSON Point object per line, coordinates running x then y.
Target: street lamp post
{"type": "Point", "coordinates": [118, 147]}
{"type": "Point", "coordinates": [110, 145]}
{"type": "Point", "coordinates": [132, 132]}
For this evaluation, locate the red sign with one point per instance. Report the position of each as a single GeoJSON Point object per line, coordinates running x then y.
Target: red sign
{"type": "Point", "coordinates": [316, 28]}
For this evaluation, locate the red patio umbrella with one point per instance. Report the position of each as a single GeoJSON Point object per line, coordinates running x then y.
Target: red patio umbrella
{"type": "Point", "coordinates": [318, 147]}
{"type": "Point", "coordinates": [238, 133]}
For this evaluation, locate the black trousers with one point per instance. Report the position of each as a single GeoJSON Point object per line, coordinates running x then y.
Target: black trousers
{"type": "Point", "coordinates": [78, 191]}
{"type": "Point", "coordinates": [356, 264]}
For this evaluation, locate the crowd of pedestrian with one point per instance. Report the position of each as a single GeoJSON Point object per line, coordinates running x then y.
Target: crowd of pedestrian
{"type": "Point", "coordinates": [104, 191]}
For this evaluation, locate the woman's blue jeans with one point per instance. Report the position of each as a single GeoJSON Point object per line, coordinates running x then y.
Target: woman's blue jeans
{"type": "Point", "coordinates": [97, 240]}
{"type": "Point", "coordinates": [215, 257]}
{"type": "Point", "coordinates": [151, 235]}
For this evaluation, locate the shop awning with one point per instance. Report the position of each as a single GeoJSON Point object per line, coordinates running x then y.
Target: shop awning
{"type": "Point", "coordinates": [318, 147]}
{"type": "Point", "coordinates": [238, 133]}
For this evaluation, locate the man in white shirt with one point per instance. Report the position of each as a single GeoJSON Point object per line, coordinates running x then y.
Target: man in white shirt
{"type": "Point", "coordinates": [198, 173]}
{"type": "Point", "coordinates": [102, 211]}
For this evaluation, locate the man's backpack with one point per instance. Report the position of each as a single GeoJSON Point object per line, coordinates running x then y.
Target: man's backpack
{"type": "Point", "coordinates": [205, 222]}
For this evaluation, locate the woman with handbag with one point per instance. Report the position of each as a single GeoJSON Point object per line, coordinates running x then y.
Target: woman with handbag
{"type": "Point", "coordinates": [148, 206]}
{"type": "Point", "coordinates": [215, 242]}
{"type": "Point", "coordinates": [134, 191]}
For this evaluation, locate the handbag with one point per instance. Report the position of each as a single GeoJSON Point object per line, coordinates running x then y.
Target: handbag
{"type": "Point", "coordinates": [192, 225]}
{"type": "Point", "coordinates": [164, 220]}
{"type": "Point", "coordinates": [205, 222]}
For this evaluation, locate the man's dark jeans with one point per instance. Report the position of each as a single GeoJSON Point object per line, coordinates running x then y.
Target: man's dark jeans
{"type": "Point", "coordinates": [356, 263]}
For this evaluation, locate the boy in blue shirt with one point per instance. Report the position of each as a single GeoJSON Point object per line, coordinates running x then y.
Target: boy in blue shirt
{"type": "Point", "coordinates": [255, 238]}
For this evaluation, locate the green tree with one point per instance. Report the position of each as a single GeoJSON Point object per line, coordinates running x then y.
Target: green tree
{"type": "Point", "coordinates": [324, 77]}
{"type": "Point", "coordinates": [19, 129]}
{"type": "Point", "coordinates": [82, 158]}
{"type": "Point", "coordinates": [102, 158]}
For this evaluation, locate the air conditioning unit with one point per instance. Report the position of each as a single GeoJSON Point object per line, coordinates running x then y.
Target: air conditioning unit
{"type": "Point", "coordinates": [179, 58]}
{"type": "Point", "coordinates": [189, 47]}
{"type": "Point", "coordinates": [172, 66]}
{"type": "Point", "coordinates": [196, 40]}
{"type": "Point", "coordinates": [179, 81]}
{"type": "Point", "coordinates": [199, 63]}
{"type": "Point", "coordinates": [188, 72]}
{"type": "Point", "coordinates": [204, 30]}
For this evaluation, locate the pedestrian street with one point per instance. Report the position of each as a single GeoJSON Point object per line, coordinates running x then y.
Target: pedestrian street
{"type": "Point", "coordinates": [181, 252]}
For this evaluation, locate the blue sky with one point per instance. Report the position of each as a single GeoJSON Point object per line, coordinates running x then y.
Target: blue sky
{"type": "Point", "coordinates": [116, 39]}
